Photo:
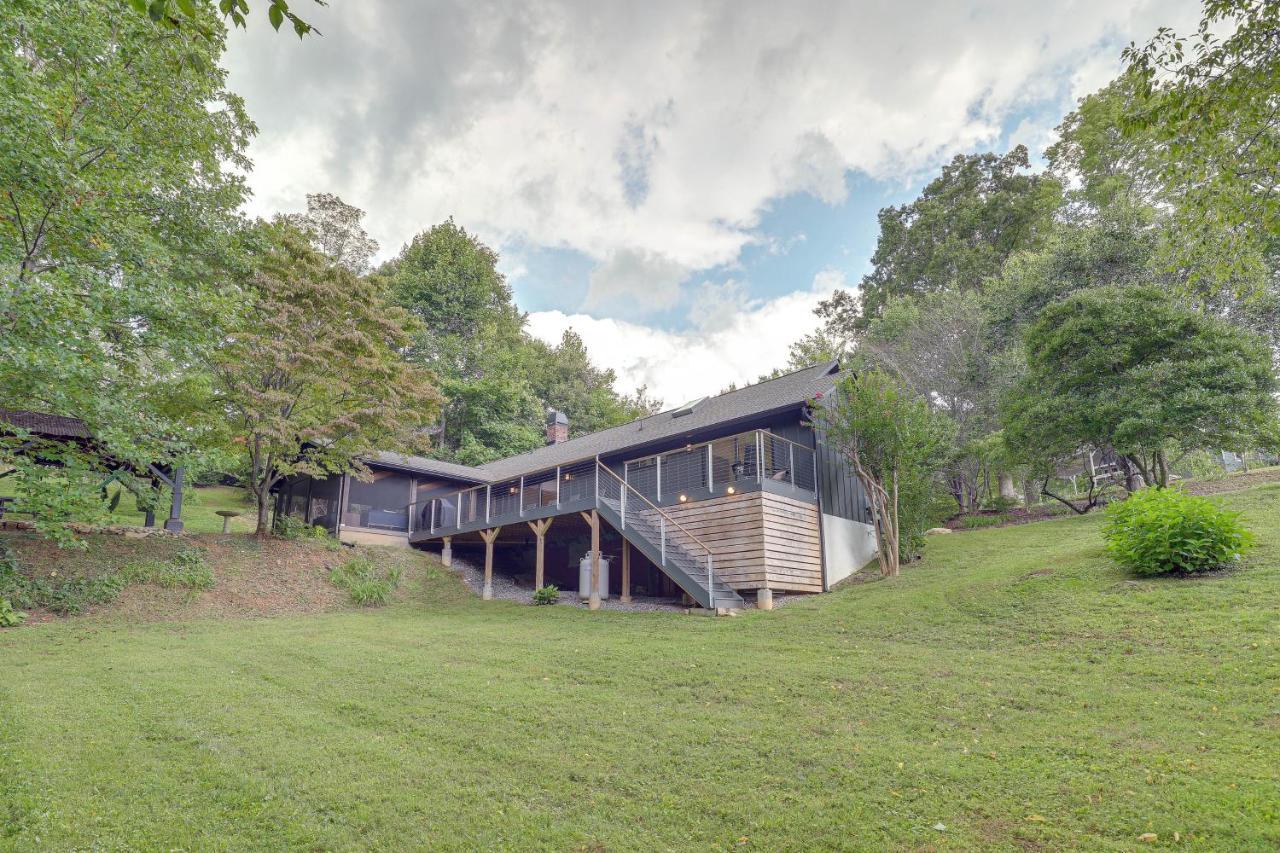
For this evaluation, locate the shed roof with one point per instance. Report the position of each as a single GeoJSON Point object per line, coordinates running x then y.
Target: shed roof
{"type": "Point", "coordinates": [423, 465]}
{"type": "Point", "coordinates": [45, 425]}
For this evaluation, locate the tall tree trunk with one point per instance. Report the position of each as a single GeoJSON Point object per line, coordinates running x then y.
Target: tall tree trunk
{"type": "Point", "coordinates": [1007, 490]}
{"type": "Point", "coordinates": [263, 529]}
{"type": "Point", "coordinates": [1028, 495]}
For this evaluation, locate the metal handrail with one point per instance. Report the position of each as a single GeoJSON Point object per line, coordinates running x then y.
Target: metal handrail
{"type": "Point", "coordinates": [627, 487]}
{"type": "Point", "coordinates": [580, 467]}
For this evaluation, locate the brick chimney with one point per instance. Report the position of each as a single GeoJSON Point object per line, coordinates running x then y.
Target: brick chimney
{"type": "Point", "coordinates": [557, 426]}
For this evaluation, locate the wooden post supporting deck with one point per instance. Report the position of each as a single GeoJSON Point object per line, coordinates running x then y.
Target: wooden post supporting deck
{"type": "Point", "coordinates": [446, 553]}
{"type": "Point", "coordinates": [540, 530]}
{"type": "Point", "coordinates": [488, 536]}
{"type": "Point", "coordinates": [593, 518]}
{"type": "Point", "coordinates": [625, 597]}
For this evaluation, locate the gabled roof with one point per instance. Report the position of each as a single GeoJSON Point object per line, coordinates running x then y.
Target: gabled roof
{"type": "Point", "coordinates": [787, 391]}
{"type": "Point", "coordinates": [790, 390]}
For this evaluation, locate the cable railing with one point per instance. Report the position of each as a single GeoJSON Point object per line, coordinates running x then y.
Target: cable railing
{"type": "Point", "coordinates": [677, 547]}
{"type": "Point", "coordinates": [723, 466]}
{"type": "Point", "coordinates": [588, 484]}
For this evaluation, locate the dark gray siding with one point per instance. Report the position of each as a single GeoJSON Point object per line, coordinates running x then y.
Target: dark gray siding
{"type": "Point", "coordinates": [841, 492]}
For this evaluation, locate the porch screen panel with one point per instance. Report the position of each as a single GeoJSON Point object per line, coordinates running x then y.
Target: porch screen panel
{"type": "Point", "coordinates": [323, 510]}
{"type": "Point", "coordinates": [381, 504]}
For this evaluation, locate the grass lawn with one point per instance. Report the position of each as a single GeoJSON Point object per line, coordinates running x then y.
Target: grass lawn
{"type": "Point", "coordinates": [199, 506]}
{"type": "Point", "coordinates": [1014, 690]}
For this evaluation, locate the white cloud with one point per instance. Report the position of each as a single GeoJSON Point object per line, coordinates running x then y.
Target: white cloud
{"type": "Point", "coordinates": [653, 131]}
{"type": "Point", "coordinates": [637, 281]}
{"type": "Point", "coordinates": [680, 366]}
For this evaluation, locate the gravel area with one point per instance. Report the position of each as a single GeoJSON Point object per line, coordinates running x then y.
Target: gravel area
{"type": "Point", "coordinates": [506, 589]}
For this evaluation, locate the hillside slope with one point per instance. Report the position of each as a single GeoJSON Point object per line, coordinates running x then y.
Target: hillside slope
{"type": "Point", "coordinates": [1012, 691]}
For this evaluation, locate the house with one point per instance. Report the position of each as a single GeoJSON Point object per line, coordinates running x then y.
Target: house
{"type": "Point", "coordinates": [727, 496]}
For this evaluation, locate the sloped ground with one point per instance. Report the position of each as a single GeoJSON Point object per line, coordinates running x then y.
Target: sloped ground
{"type": "Point", "coordinates": [1014, 690]}
{"type": "Point", "coordinates": [1235, 482]}
{"type": "Point", "coordinates": [252, 578]}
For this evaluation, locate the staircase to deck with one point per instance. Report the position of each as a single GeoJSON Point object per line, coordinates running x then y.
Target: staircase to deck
{"type": "Point", "coordinates": [684, 558]}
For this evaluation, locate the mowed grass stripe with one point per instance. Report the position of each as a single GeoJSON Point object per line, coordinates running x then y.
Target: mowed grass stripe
{"type": "Point", "coordinates": [1014, 687]}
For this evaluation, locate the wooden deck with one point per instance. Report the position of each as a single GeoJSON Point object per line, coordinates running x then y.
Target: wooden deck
{"type": "Point", "coordinates": [760, 539]}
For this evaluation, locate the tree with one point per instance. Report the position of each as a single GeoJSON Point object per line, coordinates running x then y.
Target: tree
{"type": "Point", "coordinates": [1132, 369]}
{"type": "Point", "coordinates": [497, 380]}
{"type": "Point", "coordinates": [450, 282]}
{"type": "Point", "coordinates": [564, 378]}
{"type": "Point", "coordinates": [1210, 101]}
{"type": "Point", "coordinates": [185, 14]}
{"type": "Point", "coordinates": [895, 443]}
{"type": "Point", "coordinates": [957, 234]}
{"type": "Point", "coordinates": [311, 375]}
{"type": "Point", "coordinates": [1103, 163]}
{"type": "Point", "coordinates": [119, 186]}
{"type": "Point", "coordinates": [335, 230]}
{"type": "Point", "coordinates": [939, 346]}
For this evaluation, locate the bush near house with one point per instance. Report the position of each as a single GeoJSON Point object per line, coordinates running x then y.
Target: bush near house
{"type": "Point", "coordinates": [369, 585]}
{"type": "Point", "coordinates": [1162, 531]}
{"type": "Point", "coordinates": [549, 594]}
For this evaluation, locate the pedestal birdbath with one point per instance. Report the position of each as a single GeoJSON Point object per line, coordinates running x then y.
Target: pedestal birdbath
{"type": "Point", "coordinates": [227, 515]}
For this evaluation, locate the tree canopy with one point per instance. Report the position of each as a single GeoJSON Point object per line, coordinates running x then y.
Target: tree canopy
{"type": "Point", "coordinates": [1131, 369]}
{"type": "Point", "coordinates": [311, 375]}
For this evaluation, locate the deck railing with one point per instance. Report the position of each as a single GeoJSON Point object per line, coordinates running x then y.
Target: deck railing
{"type": "Point", "coordinates": [723, 466]}
{"type": "Point", "coordinates": [695, 472]}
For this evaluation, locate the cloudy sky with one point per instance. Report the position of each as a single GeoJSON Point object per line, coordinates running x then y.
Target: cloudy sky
{"type": "Point", "coordinates": [679, 182]}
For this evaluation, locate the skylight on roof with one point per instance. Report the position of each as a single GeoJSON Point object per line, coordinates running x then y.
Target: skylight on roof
{"type": "Point", "coordinates": [687, 408]}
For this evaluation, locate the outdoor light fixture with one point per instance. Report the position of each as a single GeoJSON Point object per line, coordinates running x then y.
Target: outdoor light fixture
{"type": "Point", "coordinates": [729, 490]}
{"type": "Point", "coordinates": [684, 498]}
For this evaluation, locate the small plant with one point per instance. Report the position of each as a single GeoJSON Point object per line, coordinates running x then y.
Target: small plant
{"type": "Point", "coordinates": [186, 569]}
{"type": "Point", "coordinates": [1002, 504]}
{"type": "Point", "coordinates": [9, 617]}
{"type": "Point", "coordinates": [1159, 531]}
{"type": "Point", "coordinates": [295, 529]}
{"type": "Point", "coordinates": [368, 586]}
{"type": "Point", "coordinates": [549, 594]}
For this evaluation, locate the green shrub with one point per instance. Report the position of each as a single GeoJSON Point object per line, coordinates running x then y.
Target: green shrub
{"type": "Point", "coordinates": [10, 617]}
{"type": "Point", "coordinates": [368, 586]}
{"type": "Point", "coordinates": [62, 595]}
{"type": "Point", "coordinates": [549, 594]}
{"type": "Point", "coordinates": [1001, 504]}
{"type": "Point", "coordinates": [295, 529]}
{"type": "Point", "coordinates": [1157, 531]}
{"type": "Point", "coordinates": [186, 569]}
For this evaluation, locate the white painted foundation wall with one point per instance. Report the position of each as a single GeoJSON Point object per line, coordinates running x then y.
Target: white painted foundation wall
{"type": "Point", "coordinates": [847, 546]}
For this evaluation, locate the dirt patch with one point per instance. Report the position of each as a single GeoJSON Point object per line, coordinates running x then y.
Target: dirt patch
{"type": "Point", "coordinates": [251, 577]}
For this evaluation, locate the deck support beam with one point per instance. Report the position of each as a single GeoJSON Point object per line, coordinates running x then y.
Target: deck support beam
{"type": "Point", "coordinates": [625, 596]}
{"type": "Point", "coordinates": [540, 530]}
{"type": "Point", "coordinates": [446, 553]}
{"type": "Point", "coordinates": [593, 519]}
{"type": "Point", "coordinates": [488, 536]}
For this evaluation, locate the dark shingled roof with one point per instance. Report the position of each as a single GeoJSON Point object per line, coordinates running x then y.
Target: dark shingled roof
{"type": "Point", "coordinates": [422, 465]}
{"type": "Point", "coordinates": [790, 390]}
{"type": "Point", "coordinates": [46, 426]}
